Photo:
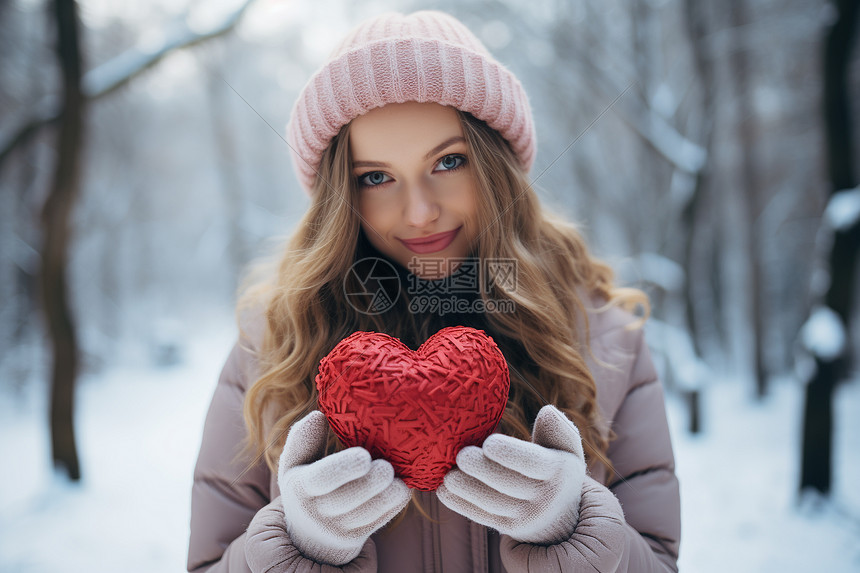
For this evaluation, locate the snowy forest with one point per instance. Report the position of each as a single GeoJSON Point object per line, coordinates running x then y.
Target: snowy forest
{"type": "Point", "coordinates": [707, 150]}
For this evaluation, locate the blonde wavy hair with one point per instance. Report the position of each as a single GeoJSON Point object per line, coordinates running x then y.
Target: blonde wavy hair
{"type": "Point", "coordinates": [544, 340]}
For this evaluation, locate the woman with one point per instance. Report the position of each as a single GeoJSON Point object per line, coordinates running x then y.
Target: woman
{"type": "Point", "coordinates": [415, 145]}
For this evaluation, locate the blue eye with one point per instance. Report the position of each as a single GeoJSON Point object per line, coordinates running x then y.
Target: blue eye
{"type": "Point", "coordinates": [451, 162]}
{"type": "Point", "coordinates": [373, 179]}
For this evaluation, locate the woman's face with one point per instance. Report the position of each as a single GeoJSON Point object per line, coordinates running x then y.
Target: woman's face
{"type": "Point", "coordinates": [417, 192]}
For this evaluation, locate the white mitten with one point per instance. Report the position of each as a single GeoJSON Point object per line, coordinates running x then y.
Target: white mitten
{"type": "Point", "coordinates": [528, 490]}
{"type": "Point", "coordinates": [332, 505]}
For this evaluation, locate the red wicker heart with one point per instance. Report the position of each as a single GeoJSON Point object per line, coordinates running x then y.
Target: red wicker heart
{"type": "Point", "coordinates": [414, 409]}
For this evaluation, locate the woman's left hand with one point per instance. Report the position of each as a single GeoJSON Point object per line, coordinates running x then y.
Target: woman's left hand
{"type": "Point", "coordinates": [528, 490]}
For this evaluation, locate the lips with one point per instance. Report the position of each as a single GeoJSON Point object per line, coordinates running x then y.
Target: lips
{"type": "Point", "coordinates": [431, 244]}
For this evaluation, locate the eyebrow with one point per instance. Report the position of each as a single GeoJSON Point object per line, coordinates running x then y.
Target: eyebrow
{"type": "Point", "coordinates": [447, 143]}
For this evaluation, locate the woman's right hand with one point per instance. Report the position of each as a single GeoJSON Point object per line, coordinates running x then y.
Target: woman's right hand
{"type": "Point", "coordinates": [333, 504]}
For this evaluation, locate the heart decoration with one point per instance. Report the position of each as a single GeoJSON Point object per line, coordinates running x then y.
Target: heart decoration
{"type": "Point", "coordinates": [415, 409]}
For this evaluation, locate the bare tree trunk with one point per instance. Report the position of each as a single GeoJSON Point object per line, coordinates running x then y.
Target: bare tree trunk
{"type": "Point", "coordinates": [750, 191]}
{"type": "Point", "coordinates": [816, 460]}
{"type": "Point", "coordinates": [697, 30]}
{"type": "Point", "coordinates": [55, 224]}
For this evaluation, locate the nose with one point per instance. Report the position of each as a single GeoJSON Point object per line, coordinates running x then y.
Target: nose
{"type": "Point", "coordinates": [421, 208]}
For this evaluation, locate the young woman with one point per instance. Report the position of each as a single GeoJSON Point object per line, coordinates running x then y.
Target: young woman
{"type": "Point", "coordinates": [415, 145]}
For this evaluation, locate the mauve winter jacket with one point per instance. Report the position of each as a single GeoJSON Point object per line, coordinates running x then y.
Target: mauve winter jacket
{"type": "Point", "coordinates": [631, 523]}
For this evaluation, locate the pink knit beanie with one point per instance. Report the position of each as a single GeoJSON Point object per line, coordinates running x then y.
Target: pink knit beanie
{"type": "Point", "coordinates": [425, 56]}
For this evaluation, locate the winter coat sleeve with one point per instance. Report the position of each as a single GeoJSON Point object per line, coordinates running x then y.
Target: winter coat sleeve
{"type": "Point", "coordinates": [273, 550]}
{"type": "Point", "coordinates": [235, 526]}
{"type": "Point", "coordinates": [633, 525]}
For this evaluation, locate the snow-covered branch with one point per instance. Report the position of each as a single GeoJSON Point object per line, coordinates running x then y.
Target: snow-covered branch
{"type": "Point", "coordinates": [112, 75]}
{"type": "Point", "coordinates": [843, 209]}
{"type": "Point", "coordinates": [641, 116]}
{"type": "Point", "coordinates": [823, 334]}
{"type": "Point", "coordinates": [661, 271]}
{"type": "Point", "coordinates": [686, 155]}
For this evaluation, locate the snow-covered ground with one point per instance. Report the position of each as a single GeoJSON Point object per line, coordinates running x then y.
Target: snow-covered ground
{"type": "Point", "coordinates": [739, 507]}
{"type": "Point", "coordinates": [139, 430]}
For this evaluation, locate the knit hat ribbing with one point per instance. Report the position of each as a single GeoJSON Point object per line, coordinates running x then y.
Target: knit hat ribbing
{"type": "Point", "coordinates": [426, 56]}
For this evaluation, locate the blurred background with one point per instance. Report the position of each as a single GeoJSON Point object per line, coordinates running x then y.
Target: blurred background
{"type": "Point", "coordinates": [708, 150]}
